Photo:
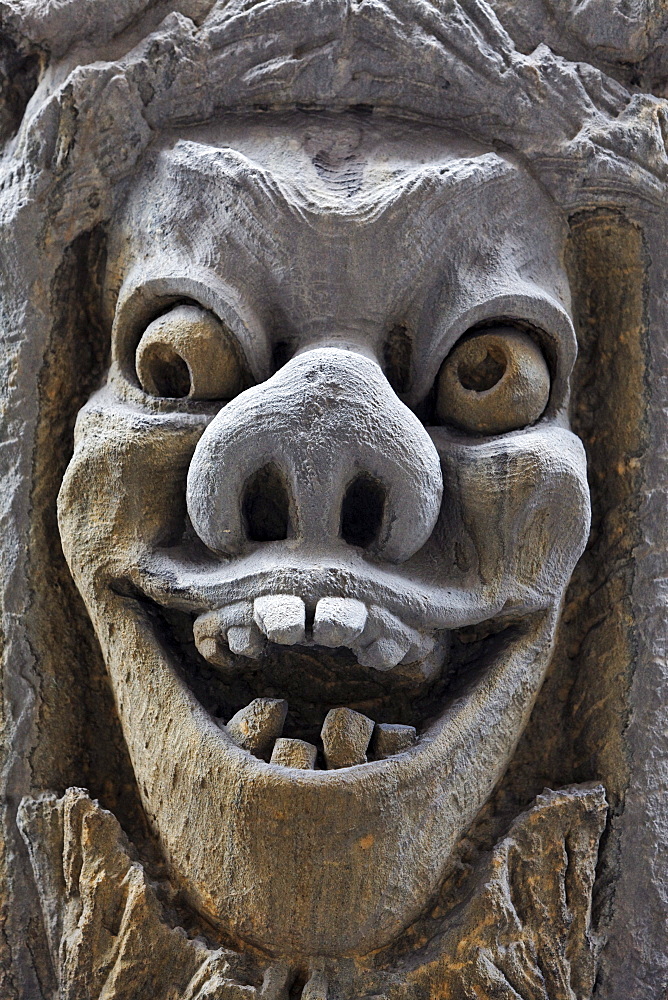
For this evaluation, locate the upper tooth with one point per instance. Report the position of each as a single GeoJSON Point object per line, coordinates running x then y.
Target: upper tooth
{"type": "Point", "coordinates": [210, 628]}
{"type": "Point", "coordinates": [282, 618]}
{"type": "Point", "coordinates": [345, 737]}
{"type": "Point", "coordinates": [386, 641]}
{"type": "Point", "coordinates": [390, 738]}
{"type": "Point", "coordinates": [257, 726]}
{"type": "Point", "coordinates": [420, 647]}
{"type": "Point", "coordinates": [338, 621]}
{"type": "Point", "coordinates": [246, 640]}
{"type": "Point", "coordinates": [316, 988]}
{"type": "Point", "coordinates": [383, 654]}
{"type": "Point", "coordinates": [294, 753]}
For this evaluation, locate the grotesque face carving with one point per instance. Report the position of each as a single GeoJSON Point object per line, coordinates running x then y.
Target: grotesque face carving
{"type": "Point", "coordinates": [331, 464]}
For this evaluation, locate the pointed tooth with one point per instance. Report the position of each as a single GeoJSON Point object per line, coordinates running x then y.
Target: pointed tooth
{"type": "Point", "coordinates": [345, 737]}
{"type": "Point", "coordinates": [316, 988]}
{"type": "Point", "coordinates": [257, 726]}
{"type": "Point", "coordinates": [294, 753]}
{"type": "Point", "coordinates": [245, 640]}
{"type": "Point", "coordinates": [383, 654]}
{"type": "Point", "coordinates": [338, 621]}
{"type": "Point", "coordinates": [275, 982]}
{"type": "Point", "coordinates": [282, 618]}
{"type": "Point", "coordinates": [421, 647]}
{"type": "Point", "coordinates": [389, 739]}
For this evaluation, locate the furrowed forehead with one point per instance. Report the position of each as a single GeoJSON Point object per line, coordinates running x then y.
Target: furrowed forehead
{"type": "Point", "coordinates": [300, 169]}
{"type": "Point", "coordinates": [278, 208]}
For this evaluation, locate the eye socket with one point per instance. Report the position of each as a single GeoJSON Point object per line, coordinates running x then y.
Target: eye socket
{"type": "Point", "coordinates": [188, 353]}
{"type": "Point", "coordinates": [493, 382]}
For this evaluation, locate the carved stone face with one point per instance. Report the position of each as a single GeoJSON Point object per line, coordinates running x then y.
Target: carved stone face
{"type": "Point", "coordinates": [331, 464]}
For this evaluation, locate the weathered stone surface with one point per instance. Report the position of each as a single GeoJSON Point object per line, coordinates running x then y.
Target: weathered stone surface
{"type": "Point", "coordinates": [106, 929]}
{"type": "Point", "coordinates": [294, 753]}
{"type": "Point", "coordinates": [389, 738]}
{"type": "Point", "coordinates": [257, 726]}
{"type": "Point", "coordinates": [259, 249]}
{"type": "Point", "coordinates": [345, 737]}
{"type": "Point", "coordinates": [521, 925]}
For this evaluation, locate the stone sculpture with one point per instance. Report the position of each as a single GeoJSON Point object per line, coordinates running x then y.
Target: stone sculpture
{"type": "Point", "coordinates": [312, 278]}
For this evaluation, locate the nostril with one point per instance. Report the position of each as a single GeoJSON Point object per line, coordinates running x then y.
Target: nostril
{"type": "Point", "coordinates": [362, 511]}
{"type": "Point", "coordinates": [266, 506]}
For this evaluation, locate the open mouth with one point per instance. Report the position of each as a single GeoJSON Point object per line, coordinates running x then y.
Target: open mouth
{"type": "Point", "coordinates": [326, 760]}
{"type": "Point", "coordinates": [324, 686]}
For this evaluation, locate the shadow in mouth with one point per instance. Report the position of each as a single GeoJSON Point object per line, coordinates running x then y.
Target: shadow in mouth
{"type": "Point", "coordinates": [314, 679]}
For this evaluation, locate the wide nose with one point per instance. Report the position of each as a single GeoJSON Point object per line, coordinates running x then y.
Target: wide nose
{"type": "Point", "coordinates": [322, 451]}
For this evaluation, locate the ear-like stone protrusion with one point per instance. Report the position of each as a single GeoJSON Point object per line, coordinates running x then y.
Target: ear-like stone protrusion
{"type": "Point", "coordinates": [345, 737]}
{"type": "Point", "coordinates": [257, 726]}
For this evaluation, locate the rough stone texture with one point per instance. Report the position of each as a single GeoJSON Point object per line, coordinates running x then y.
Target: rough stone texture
{"type": "Point", "coordinates": [294, 753]}
{"type": "Point", "coordinates": [520, 926]}
{"type": "Point", "coordinates": [336, 193]}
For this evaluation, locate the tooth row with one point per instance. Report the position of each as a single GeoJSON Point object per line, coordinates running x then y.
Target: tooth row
{"type": "Point", "coordinates": [378, 638]}
{"type": "Point", "coordinates": [346, 736]}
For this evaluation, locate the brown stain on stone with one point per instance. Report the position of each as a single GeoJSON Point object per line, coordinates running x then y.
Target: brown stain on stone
{"type": "Point", "coordinates": [606, 261]}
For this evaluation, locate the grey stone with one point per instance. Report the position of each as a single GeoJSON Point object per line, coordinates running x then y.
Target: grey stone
{"type": "Point", "coordinates": [281, 618]}
{"type": "Point", "coordinates": [270, 258]}
{"type": "Point", "coordinates": [338, 621]}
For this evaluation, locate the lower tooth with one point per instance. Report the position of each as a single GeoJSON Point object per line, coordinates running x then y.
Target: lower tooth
{"type": "Point", "coordinates": [294, 753]}
{"type": "Point", "coordinates": [390, 739]}
{"type": "Point", "coordinates": [345, 737]}
{"type": "Point", "coordinates": [257, 726]}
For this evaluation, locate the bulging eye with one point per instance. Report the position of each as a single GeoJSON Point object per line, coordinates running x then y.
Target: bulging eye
{"type": "Point", "coordinates": [493, 382]}
{"type": "Point", "coordinates": [188, 353]}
